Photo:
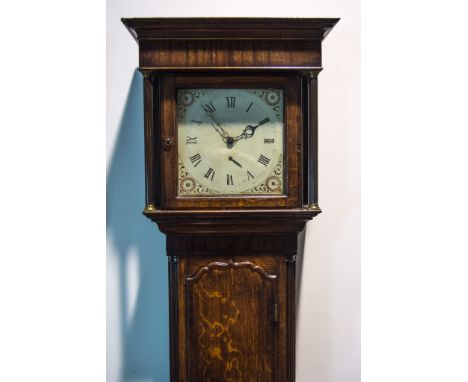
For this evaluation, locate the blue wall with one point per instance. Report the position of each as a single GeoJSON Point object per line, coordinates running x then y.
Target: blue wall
{"type": "Point", "coordinates": [145, 339]}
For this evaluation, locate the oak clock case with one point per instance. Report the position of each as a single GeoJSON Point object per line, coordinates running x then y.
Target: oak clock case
{"type": "Point", "coordinates": [234, 141]}
{"type": "Point", "coordinates": [230, 124]}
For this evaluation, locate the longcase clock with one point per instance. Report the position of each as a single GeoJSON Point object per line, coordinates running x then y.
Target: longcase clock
{"type": "Point", "coordinates": [230, 126]}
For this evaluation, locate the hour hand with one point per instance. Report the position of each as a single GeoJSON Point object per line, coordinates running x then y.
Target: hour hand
{"type": "Point", "coordinates": [249, 130]}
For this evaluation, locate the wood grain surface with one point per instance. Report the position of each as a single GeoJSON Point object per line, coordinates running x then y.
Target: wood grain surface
{"type": "Point", "coordinates": [232, 315]}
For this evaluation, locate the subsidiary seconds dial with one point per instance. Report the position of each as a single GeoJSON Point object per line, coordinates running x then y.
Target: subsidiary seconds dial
{"type": "Point", "coordinates": [230, 141]}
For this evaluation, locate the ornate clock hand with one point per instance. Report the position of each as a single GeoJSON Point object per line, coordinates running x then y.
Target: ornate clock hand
{"type": "Point", "coordinates": [234, 161]}
{"type": "Point", "coordinates": [232, 141]}
{"type": "Point", "coordinates": [223, 133]}
{"type": "Point", "coordinates": [223, 136]}
{"type": "Point", "coordinates": [249, 131]}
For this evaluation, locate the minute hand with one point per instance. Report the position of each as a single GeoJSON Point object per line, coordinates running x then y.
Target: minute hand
{"type": "Point", "coordinates": [220, 131]}
{"type": "Point", "coordinates": [224, 137]}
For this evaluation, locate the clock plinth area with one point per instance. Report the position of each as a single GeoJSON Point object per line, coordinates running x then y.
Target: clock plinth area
{"type": "Point", "coordinates": [231, 180]}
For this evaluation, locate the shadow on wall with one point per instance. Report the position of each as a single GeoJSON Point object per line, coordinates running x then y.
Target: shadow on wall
{"type": "Point", "coordinates": [144, 332]}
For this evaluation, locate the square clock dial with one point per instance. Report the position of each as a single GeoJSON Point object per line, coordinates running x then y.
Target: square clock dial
{"type": "Point", "coordinates": [230, 142]}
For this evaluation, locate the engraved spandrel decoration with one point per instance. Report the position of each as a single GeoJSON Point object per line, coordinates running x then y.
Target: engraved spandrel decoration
{"type": "Point", "coordinates": [271, 97]}
{"type": "Point", "coordinates": [185, 99]}
{"type": "Point", "coordinates": [189, 186]}
{"type": "Point", "coordinates": [272, 185]}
